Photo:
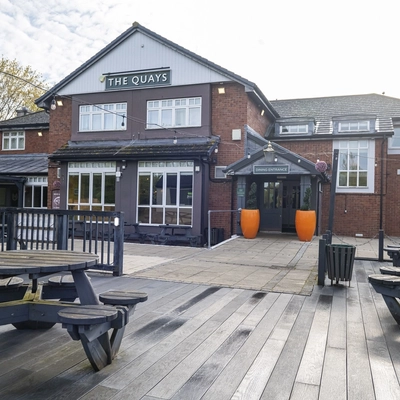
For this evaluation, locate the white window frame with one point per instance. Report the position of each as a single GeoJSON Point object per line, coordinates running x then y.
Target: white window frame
{"type": "Point", "coordinates": [370, 147]}
{"type": "Point", "coordinates": [103, 114]}
{"type": "Point", "coordinates": [148, 168]}
{"type": "Point", "coordinates": [392, 147]}
{"type": "Point", "coordinates": [16, 137]}
{"type": "Point", "coordinates": [299, 129]}
{"type": "Point", "coordinates": [353, 126]}
{"type": "Point", "coordinates": [90, 168]}
{"type": "Point", "coordinates": [36, 183]}
{"type": "Point", "coordinates": [165, 113]}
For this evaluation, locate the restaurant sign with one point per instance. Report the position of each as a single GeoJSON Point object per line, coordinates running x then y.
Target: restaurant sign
{"type": "Point", "coordinates": [138, 79]}
{"type": "Point", "coordinates": [270, 169]}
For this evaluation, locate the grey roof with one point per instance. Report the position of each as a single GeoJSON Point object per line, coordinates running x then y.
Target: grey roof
{"type": "Point", "coordinates": [28, 164]}
{"type": "Point", "coordinates": [30, 120]}
{"type": "Point", "coordinates": [138, 149]}
{"type": "Point", "coordinates": [136, 27]}
{"type": "Point", "coordinates": [323, 109]}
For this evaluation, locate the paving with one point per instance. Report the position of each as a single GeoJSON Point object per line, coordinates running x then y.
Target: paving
{"type": "Point", "coordinates": [271, 262]}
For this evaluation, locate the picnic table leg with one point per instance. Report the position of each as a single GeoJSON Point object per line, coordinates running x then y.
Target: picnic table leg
{"type": "Point", "coordinates": [98, 351]}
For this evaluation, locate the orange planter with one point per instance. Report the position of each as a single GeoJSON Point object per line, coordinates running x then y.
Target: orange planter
{"type": "Point", "coordinates": [249, 222]}
{"type": "Point", "coordinates": [306, 222]}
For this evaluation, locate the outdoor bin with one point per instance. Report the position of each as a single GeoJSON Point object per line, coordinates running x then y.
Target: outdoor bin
{"type": "Point", "coordinates": [217, 235]}
{"type": "Point", "coordinates": [340, 261]}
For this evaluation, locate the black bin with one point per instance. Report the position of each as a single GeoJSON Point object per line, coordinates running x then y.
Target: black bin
{"type": "Point", "coordinates": [340, 261]}
{"type": "Point", "coordinates": [216, 236]}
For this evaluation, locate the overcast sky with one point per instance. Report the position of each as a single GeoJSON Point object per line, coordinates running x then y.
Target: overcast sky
{"type": "Point", "coordinates": [289, 48]}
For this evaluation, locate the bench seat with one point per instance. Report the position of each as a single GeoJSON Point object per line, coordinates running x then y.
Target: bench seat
{"type": "Point", "coordinates": [389, 287]}
{"type": "Point", "coordinates": [122, 297]}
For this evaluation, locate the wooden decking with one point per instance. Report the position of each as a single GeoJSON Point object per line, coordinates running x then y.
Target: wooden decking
{"type": "Point", "coordinates": [197, 342]}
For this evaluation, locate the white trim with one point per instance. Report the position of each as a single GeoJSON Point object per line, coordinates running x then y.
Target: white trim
{"type": "Point", "coordinates": [13, 136]}
{"type": "Point", "coordinates": [370, 188]}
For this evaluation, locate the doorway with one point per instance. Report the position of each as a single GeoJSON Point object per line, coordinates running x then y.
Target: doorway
{"type": "Point", "coordinates": [290, 203]}
{"type": "Point", "coordinates": [271, 206]}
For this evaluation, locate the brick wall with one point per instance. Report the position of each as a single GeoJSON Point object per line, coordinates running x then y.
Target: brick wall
{"type": "Point", "coordinates": [356, 213]}
{"type": "Point", "coordinates": [60, 133]}
{"type": "Point", "coordinates": [232, 110]}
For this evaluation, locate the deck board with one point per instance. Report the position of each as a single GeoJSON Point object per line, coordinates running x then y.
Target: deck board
{"type": "Point", "coordinates": [192, 341]}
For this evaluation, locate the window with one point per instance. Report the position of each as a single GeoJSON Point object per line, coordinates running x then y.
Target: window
{"type": "Point", "coordinates": [91, 186]}
{"type": "Point", "coordinates": [165, 192]}
{"type": "Point", "coordinates": [294, 129]}
{"type": "Point", "coordinates": [394, 141]}
{"type": "Point", "coordinates": [35, 195]}
{"type": "Point", "coordinates": [357, 126]}
{"type": "Point", "coordinates": [13, 140]}
{"type": "Point", "coordinates": [102, 117]}
{"type": "Point", "coordinates": [174, 113]}
{"type": "Point", "coordinates": [356, 165]}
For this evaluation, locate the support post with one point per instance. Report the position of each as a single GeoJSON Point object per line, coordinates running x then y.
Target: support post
{"type": "Point", "coordinates": [321, 262]}
{"type": "Point", "coordinates": [333, 189]}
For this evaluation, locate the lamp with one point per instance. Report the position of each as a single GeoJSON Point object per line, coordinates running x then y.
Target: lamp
{"type": "Point", "coordinates": [269, 153]}
{"type": "Point", "coordinates": [53, 105]}
{"type": "Point", "coordinates": [221, 90]}
{"type": "Point", "coordinates": [59, 103]}
{"type": "Point", "coordinates": [262, 112]}
{"type": "Point", "coordinates": [39, 134]}
{"type": "Point", "coordinates": [175, 141]}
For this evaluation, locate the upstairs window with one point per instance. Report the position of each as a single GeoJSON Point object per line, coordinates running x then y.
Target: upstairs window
{"type": "Point", "coordinates": [102, 117]}
{"type": "Point", "coordinates": [294, 129]}
{"type": "Point", "coordinates": [356, 166]}
{"type": "Point", "coordinates": [356, 126]}
{"type": "Point", "coordinates": [394, 141]}
{"type": "Point", "coordinates": [13, 141]}
{"type": "Point", "coordinates": [174, 113]}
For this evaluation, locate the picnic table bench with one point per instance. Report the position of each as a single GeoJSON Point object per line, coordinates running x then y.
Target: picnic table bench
{"type": "Point", "coordinates": [40, 305]}
{"type": "Point", "coordinates": [394, 253]}
{"type": "Point", "coordinates": [174, 234]}
{"type": "Point", "coordinates": [137, 234]}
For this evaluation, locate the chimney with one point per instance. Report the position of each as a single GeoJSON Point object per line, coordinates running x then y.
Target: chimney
{"type": "Point", "coordinates": [22, 111]}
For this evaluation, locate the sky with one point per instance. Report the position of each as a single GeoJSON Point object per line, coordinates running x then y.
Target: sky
{"type": "Point", "coordinates": [288, 48]}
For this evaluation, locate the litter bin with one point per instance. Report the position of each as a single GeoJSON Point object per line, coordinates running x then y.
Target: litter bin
{"type": "Point", "coordinates": [216, 236]}
{"type": "Point", "coordinates": [340, 261]}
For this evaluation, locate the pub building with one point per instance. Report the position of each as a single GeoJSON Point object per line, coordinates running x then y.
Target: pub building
{"type": "Point", "coordinates": [149, 128]}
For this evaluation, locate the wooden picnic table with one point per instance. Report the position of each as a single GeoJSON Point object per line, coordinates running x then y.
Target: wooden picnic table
{"type": "Point", "coordinates": [39, 305]}
{"type": "Point", "coordinates": [171, 233]}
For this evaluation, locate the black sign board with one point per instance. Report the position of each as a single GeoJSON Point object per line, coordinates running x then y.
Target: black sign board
{"type": "Point", "coordinates": [270, 169]}
{"type": "Point", "coordinates": [138, 79]}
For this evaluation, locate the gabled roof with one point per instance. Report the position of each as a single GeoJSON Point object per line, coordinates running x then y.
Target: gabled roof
{"type": "Point", "coordinates": [325, 109]}
{"type": "Point", "coordinates": [137, 150]}
{"type": "Point", "coordinates": [136, 27]}
{"type": "Point", "coordinates": [31, 120]}
{"type": "Point", "coordinates": [255, 146]}
{"type": "Point", "coordinates": [24, 164]}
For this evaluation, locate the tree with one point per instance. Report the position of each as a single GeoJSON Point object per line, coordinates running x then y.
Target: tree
{"type": "Point", "coordinates": [19, 87]}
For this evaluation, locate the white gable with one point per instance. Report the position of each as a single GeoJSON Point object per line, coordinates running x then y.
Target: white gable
{"type": "Point", "coordinates": [141, 52]}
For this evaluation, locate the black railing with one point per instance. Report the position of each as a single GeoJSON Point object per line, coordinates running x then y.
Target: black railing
{"type": "Point", "coordinates": [96, 232]}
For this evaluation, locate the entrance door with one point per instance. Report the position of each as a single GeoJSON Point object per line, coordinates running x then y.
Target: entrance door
{"type": "Point", "coordinates": [271, 206]}
{"type": "Point", "coordinates": [290, 203]}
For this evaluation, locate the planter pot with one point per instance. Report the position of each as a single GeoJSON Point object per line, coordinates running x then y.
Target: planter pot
{"type": "Point", "coordinates": [249, 223]}
{"type": "Point", "coordinates": [306, 222]}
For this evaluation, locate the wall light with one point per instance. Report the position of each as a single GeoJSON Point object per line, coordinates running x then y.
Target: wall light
{"type": "Point", "coordinates": [59, 103]}
{"type": "Point", "coordinates": [262, 112]}
{"type": "Point", "coordinates": [53, 105]}
{"type": "Point", "coordinates": [221, 90]}
{"type": "Point", "coordinates": [39, 134]}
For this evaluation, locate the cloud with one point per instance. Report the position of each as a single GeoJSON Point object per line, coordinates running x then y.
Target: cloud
{"type": "Point", "coordinates": [289, 48]}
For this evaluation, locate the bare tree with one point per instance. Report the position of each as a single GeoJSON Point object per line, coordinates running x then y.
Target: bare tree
{"type": "Point", "coordinates": [19, 87]}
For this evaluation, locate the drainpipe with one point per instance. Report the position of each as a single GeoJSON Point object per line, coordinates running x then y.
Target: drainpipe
{"type": "Point", "coordinates": [380, 249]}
